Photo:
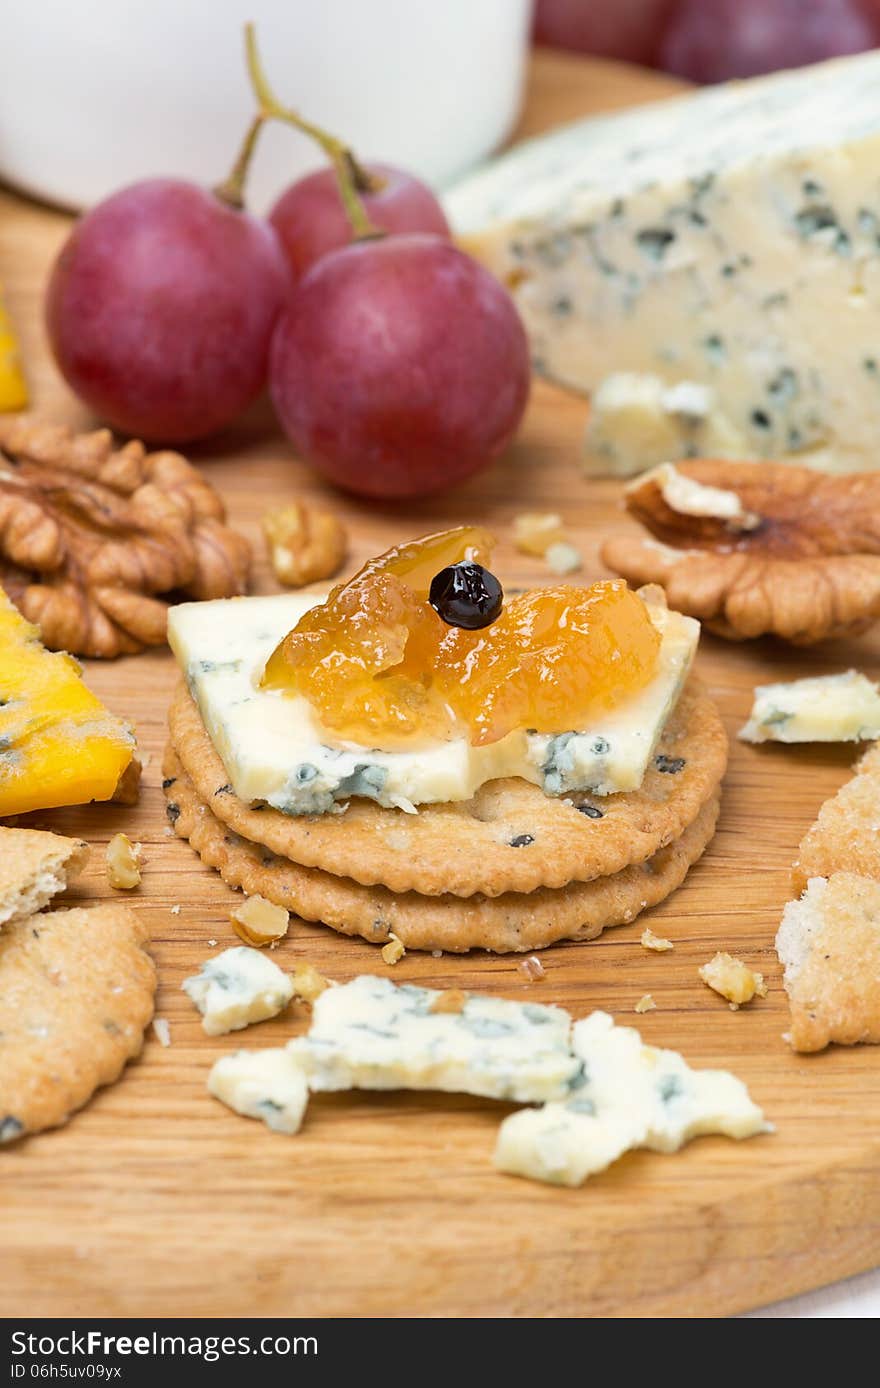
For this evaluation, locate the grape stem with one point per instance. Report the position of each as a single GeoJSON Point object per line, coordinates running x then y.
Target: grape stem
{"type": "Point", "coordinates": [231, 190]}
{"type": "Point", "coordinates": [352, 177]}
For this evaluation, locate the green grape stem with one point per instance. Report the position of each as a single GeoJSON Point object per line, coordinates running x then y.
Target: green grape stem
{"type": "Point", "coordinates": [353, 179]}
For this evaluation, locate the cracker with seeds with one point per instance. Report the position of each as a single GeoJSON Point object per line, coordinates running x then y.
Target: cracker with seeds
{"type": "Point", "coordinates": [846, 834]}
{"type": "Point", "coordinates": [829, 944]}
{"type": "Point", "coordinates": [511, 837]}
{"type": "Point", "coordinates": [513, 921]}
{"type": "Point", "coordinates": [76, 992]}
{"type": "Point", "coordinates": [34, 867]}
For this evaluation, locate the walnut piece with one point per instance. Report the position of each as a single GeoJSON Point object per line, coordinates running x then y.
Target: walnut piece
{"type": "Point", "coordinates": [309, 983]}
{"type": "Point", "coordinates": [733, 979]}
{"type": "Point", "coordinates": [806, 568]}
{"type": "Point", "coordinates": [450, 1000]}
{"type": "Point", "coordinates": [645, 1004]}
{"type": "Point", "coordinates": [90, 535]}
{"type": "Point", "coordinates": [123, 863]}
{"type": "Point", "coordinates": [394, 951]}
{"type": "Point", "coordinates": [259, 922]}
{"type": "Point", "coordinates": [658, 943]}
{"type": "Point", "coordinates": [304, 545]}
{"type": "Point", "coordinates": [535, 531]}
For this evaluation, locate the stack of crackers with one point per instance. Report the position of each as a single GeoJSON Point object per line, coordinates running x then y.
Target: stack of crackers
{"type": "Point", "coordinates": [512, 869]}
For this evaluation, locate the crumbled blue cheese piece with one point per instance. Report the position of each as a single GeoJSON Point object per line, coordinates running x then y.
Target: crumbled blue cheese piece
{"type": "Point", "coordinates": [274, 750]}
{"type": "Point", "coordinates": [728, 238]}
{"type": "Point", "coordinates": [373, 1034]}
{"type": "Point", "coordinates": [691, 498]}
{"type": "Point", "coordinates": [268, 1085]}
{"type": "Point", "coordinates": [825, 708]}
{"type": "Point", "coordinates": [236, 988]}
{"type": "Point", "coordinates": [630, 1095]}
{"type": "Point", "coordinates": [637, 421]}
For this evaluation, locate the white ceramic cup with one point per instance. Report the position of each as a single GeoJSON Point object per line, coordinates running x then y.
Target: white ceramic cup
{"type": "Point", "coordinates": [95, 94]}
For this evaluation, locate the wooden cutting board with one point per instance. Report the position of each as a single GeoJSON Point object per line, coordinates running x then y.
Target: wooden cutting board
{"type": "Point", "coordinates": [155, 1200]}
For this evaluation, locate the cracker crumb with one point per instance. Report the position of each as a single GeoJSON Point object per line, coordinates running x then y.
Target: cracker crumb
{"type": "Point", "coordinates": [123, 866]}
{"type": "Point", "coordinates": [532, 968]}
{"type": "Point", "coordinates": [535, 531]}
{"type": "Point", "coordinates": [645, 1004]}
{"type": "Point", "coordinates": [259, 922]}
{"type": "Point", "coordinates": [212, 943]}
{"type": "Point", "coordinates": [309, 983]}
{"type": "Point", "coordinates": [564, 558]}
{"type": "Point", "coordinates": [655, 942]}
{"type": "Point", "coordinates": [733, 979]}
{"type": "Point", "coordinates": [436, 954]}
{"type": "Point", "coordinates": [175, 910]}
{"type": "Point", "coordinates": [162, 1031]}
{"type": "Point", "coordinates": [394, 949]}
{"type": "Point", "coordinates": [450, 1000]}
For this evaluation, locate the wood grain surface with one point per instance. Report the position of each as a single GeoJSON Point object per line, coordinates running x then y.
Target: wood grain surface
{"type": "Point", "coordinates": [156, 1200]}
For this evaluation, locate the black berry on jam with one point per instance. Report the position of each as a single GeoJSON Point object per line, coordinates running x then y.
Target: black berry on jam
{"type": "Point", "coordinates": [466, 595]}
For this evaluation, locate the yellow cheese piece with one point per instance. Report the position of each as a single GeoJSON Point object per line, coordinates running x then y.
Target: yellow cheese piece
{"type": "Point", "coordinates": [58, 744]}
{"type": "Point", "coordinates": [13, 391]}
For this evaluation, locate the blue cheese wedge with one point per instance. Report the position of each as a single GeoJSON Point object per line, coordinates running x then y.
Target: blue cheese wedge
{"type": "Point", "coordinates": [825, 708]}
{"type": "Point", "coordinates": [268, 1085]}
{"type": "Point", "coordinates": [629, 1095]}
{"type": "Point", "coordinates": [374, 1034]}
{"type": "Point", "coordinates": [275, 751]}
{"type": "Point", "coordinates": [638, 421]}
{"type": "Point", "coordinates": [729, 238]}
{"type": "Point", "coordinates": [236, 988]}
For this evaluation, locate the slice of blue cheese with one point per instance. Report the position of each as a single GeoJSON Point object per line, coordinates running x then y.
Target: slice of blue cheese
{"type": "Point", "coordinates": [709, 239]}
{"type": "Point", "coordinates": [236, 988]}
{"type": "Point", "coordinates": [275, 751]}
{"type": "Point", "coordinates": [269, 1085]}
{"type": "Point", "coordinates": [824, 708]}
{"type": "Point", "coordinates": [629, 1095]}
{"type": "Point", "coordinates": [374, 1034]}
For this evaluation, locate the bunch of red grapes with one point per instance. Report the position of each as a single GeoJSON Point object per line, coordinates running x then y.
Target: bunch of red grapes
{"type": "Point", "coordinates": [711, 40]}
{"type": "Point", "coordinates": [397, 365]}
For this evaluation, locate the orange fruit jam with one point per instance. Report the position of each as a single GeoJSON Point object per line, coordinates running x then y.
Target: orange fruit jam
{"type": "Point", "coordinates": [381, 668]}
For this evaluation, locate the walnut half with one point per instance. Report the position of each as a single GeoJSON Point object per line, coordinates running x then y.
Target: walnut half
{"type": "Point", "coordinates": [805, 565]}
{"type": "Point", "coordinates": [91, 535]}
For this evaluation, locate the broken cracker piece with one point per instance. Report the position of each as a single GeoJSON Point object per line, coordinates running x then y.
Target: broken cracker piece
{"type": "Point", "coordinates": [34, 867]}
{"type": "Point", "coordinates": [645, 1004]}
{"type": "Point", "coordinates": [733, 979]}
{"type": "Point", "coordinates": [829, 945]}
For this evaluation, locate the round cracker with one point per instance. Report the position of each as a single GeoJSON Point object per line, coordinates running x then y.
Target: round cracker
{"type": "Point", "coordinates": [515, 921]}
{"type": "Point", "coordinates": [510, 837]}
{"type": "Point", "coordinates": [76, 992]}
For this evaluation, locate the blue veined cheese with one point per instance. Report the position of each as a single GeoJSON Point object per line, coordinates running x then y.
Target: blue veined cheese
{"type": "Point", "coordinates": [275, 751]}
{"type": "Point", "coordinates": [374, 1034]}
{"type": "Point", "coordinates": [638, 421]}
{"type": "Point", "coordinates": [267, 1084]}
{"type": "Point", "coordinates": [629, 1095]}
{"type": "Point", "coordinates": [824, 708]}
{"type": "Point", "coordinates": [236, 988]}
{"type": "Point", "coordinates": [729, 238]}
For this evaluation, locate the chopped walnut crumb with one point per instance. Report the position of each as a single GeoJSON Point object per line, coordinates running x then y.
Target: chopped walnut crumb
{"type": "Point", "coordinates": [175, 910]}
{"type": "Point", "coordinates": [532, 968]}
{"type": "Point", "coordinates": [394, 950]}
{"type": "Point", "coordinates": [655, 942]}
{"type": "Point", "coordinates": [259, 922]}
{"type": "Point", "coordinates": [645, 1004]}
{"type": "Point", "coordinates": [452, 1000]}
{"type": "Point", "coordinates": [535, 531]}
{"type": "Point", "coordinates": [733, 979]}
{"type": "Point", "coordinates": [123, 867]}
{"type": "Point", "coordinates": [128, 789]}
{"type": "Point", "coordinates": [162, 1031]}
{"type": "Point", "coordinates": [304, 545]}
{"type": "Point", "coordinates": [308, 983]}
{"type": "Point", "coordinates": [564, 558]}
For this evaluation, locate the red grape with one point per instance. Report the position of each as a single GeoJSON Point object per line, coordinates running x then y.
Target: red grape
{"type": "Point", "coordinates": [626, 29]}
{"type": "Point", "coordinates": [399, 366]}
{"type": "Point", "coordinates": [743, 38]}
{"type": "Point", "coordinates": [161, 307]}
{"type": "Point", "coordinates": [310, 219]}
